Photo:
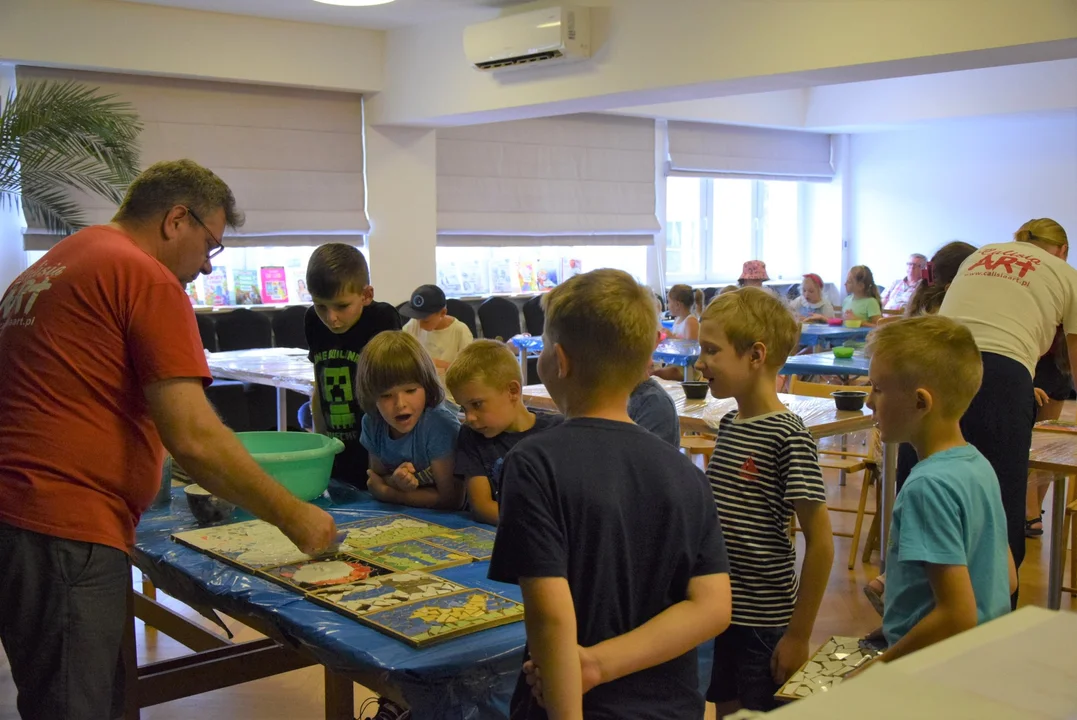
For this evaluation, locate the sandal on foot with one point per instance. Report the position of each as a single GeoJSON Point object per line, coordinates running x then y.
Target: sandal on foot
{"type": "Point", "coordinates": [1034, 527]}
{"type": "Point", "coordinates": [874, 592]}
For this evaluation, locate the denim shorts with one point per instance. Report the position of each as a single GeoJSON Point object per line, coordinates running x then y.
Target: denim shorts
{"type": "Point", "coordinates": [741, 669]}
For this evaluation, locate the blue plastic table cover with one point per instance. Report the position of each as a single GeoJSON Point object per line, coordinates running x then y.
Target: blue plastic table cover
{"type": "Point", "coordinates": [467, 678]}
{"type": "Point", "coordinates": [813, 334]}
{"type": "Point", "coordinates": [825, 363]}
{"type": "Point", "coordinates": [677, 352]}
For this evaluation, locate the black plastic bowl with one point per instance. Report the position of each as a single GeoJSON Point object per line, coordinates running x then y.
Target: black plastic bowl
{"type": "Point", "coordinates": [695, 390]}
{"type": "Point", "coordinates": [849, 399]}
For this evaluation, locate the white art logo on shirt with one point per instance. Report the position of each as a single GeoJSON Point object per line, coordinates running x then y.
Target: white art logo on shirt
{"type": "Point", "coordinates": [1007, 264]}
{"type": "Point", "coordinates": [19, 302]}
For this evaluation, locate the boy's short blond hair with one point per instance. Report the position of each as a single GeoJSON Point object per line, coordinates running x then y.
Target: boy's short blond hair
{"type": "Point", "coordinates": [606, 324]}
{"type": "Point", "coordinates": [487, 361]}
{"type": "Point", "coordinates": [932, 352]}
{"type": "Point", "coordinates": [750, 315]}
{"type": "Point", "coordinates": [392, 358]}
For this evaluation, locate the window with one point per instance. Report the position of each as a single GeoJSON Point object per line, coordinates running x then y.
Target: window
{"type": "Point", "coordinates": [240, 269]}
{"type": "Point", "coordinates": [713, 225]}
{"type": "Point", "coordinates": [471, 271]}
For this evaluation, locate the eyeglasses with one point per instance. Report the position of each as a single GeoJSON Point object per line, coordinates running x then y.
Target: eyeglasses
{"type": "Point", "coordinates": [218, 245]}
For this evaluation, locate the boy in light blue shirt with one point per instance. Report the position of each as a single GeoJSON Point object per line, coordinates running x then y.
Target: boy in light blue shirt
{"type": "Point", "coordinates": [948, 562]}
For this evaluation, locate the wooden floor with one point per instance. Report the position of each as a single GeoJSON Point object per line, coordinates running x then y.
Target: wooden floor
{"type": "Point", "coordinates": [845, 611]}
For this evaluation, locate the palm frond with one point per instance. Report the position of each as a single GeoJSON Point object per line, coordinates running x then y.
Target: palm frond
{"type": "Point", "coordinates": [56, 137]}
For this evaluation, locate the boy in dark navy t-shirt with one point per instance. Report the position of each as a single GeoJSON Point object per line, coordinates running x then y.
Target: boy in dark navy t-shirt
{"type": "Point", "coordinates": [485, 381]}
{"type": "Point", "coordinates": [610, 532]}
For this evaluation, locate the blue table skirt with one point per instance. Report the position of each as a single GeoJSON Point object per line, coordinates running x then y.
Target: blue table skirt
{"type": "Point", "coordinates": [470, 677]}
{"type": "Point", "coordinates": [825, 364]}
{"type": "Point", "coordinates": [813, 334]}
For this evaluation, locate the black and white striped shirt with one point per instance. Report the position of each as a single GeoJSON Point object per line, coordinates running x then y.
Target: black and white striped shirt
{"type": "Point", "coordinates": [759, 468]}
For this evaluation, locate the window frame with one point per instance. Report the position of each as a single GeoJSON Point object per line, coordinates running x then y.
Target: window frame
{"type": "Point", "coordinates": [706, 231]}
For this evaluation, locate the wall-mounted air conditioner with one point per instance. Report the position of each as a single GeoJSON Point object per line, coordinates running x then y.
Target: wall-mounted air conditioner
{"type": "Point", "coordinates": [539, 37]}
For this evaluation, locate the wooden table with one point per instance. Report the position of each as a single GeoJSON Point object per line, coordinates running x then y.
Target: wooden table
{"type": "Point", "coordinates": [702, 416]}
{"type": "Point", "coordinates": [1055, 452]}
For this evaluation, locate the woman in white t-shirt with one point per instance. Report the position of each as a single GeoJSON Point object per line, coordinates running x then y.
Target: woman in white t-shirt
{"type": "Point", "coordinates": [1013, 297]}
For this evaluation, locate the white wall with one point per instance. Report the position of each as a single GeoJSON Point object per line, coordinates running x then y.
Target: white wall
{"type": "Point", "coordinates": [12, 257]}
{"type": "Point", "coordinates": [976, 180]}
{"type": "Point", "coordinates": [401, 166]}
{"type": "Point", "coordinates": [130, 37]}
{"type": "Point", "coordinates": [651, 52]}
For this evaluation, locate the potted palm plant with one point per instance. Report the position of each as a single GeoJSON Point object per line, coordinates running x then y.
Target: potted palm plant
{"type": "Point", "coordinates": [56, 137]}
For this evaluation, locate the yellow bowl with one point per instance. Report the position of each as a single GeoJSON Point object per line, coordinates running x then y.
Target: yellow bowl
{"type": "Point", "coordinates": [853, 323]}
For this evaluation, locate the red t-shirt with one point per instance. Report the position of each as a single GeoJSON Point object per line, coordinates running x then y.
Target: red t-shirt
{"type": "Point", "coordinates": [82, 331]}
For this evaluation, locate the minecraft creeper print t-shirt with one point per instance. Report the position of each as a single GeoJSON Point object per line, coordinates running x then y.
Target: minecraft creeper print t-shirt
{"type": "Point", "coordinates": [335, 359]}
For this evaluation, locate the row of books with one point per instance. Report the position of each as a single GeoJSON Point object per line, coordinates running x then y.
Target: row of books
{"type": "Point", "coordinates": [477, 277]}
{"type": "Point", "coordinates": [267, 285]}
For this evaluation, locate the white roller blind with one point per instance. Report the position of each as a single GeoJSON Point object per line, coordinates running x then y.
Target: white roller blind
{"type": "Point", "coordinates": [574, 180]}
{"type": "Point", "coordinates": [293, 158]}
{"type": "Point", "coordinates": [744, 152]}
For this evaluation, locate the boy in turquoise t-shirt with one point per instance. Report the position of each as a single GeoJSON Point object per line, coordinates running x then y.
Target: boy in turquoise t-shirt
{"type": "Point", "coordinates": [947, 562]}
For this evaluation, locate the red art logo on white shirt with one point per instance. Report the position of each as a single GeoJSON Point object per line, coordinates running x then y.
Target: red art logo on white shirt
{"type": "Point", "coordinates": [1007, 264]}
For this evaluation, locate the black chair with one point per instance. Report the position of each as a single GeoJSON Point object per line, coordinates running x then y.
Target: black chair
{"type": "Point", "coordinates": [534, 315]}
{"type": "Point", "coordinates": [464, 313]}
{"type": "Point", "coordinates": [289, 327]}
{"type": "Point", "coordinates": [207, 328]}
{"type": "Point", "coordinates": [243, 329]}
{"type": "Point", "coordinates": [499, 318]}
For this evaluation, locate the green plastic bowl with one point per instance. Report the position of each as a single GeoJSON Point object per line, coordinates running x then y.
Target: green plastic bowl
{"type": "Point", "coordinates": [843, 352]}
{"type": "Point", "coordinates": [300, 461]}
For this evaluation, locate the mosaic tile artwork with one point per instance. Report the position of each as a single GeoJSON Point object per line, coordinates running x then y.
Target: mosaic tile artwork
{"type": "Point", "coordinates": [324, 572]}
{"type": "Point", "coordinates": [386, 529]}
{"type": "Point", "coordinates": [838, 657]}
{"type": "Point", "coordinates": [385, 591]}
{"type": "Point", "coordinates": [473, 541]}
{"type": "Point", "coordinates": [251, 545]}
{"type": "Point", "coordinates": [412, 555]}
{"type": "Point", "coordinates": [427, 621]}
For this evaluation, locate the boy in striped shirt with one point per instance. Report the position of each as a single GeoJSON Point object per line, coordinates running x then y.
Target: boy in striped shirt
{"type": "Point", "coordinates": [764, 468]}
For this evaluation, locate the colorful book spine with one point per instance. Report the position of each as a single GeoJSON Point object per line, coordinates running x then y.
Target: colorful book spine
{"type": "Point", "coordinates": [247, 290]}
{"type": "Point", "coordinates": [216, 287]}
{"type": "Point", "coordinates": [274, 285]}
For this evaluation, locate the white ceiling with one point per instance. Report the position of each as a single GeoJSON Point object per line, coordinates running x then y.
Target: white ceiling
{"type": "Point", "coordinates": [395, 14]}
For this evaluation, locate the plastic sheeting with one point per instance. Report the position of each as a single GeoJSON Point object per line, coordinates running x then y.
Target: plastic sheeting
{"type": "Point", "coordinates": [468, 678]}
{"type": "Point", "coordinates": [286, 368]}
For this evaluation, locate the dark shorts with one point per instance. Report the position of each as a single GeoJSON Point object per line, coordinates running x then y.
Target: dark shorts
{"type": "Point", "coordinates": [1052, 380]}
{"type": "Point", "coordinates": [64, 608]}
{"type": "Point", "coordinates": [741, 669]}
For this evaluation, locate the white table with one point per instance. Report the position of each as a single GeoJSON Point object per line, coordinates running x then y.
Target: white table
{"type": "Point", "coordinates": [1019, 667]}
{"type": "Point", "coordinates": [281, 368]}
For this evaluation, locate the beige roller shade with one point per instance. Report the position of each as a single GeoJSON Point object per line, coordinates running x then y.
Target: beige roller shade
{"type": "Point", "coordinates": [293, 158]}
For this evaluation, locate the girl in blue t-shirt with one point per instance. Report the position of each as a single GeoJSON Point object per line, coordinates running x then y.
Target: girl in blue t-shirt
{"type": "Point", "coordinates": [408, 429]}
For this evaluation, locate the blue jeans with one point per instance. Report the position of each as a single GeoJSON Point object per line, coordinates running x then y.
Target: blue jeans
{"type": "Point", "coordinates": [64, 607]}
{"type": "Point", "coordinates": [741, 669]}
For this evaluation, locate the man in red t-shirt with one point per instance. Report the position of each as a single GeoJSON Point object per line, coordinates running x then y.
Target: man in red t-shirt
{"type": "Point", "coordinates": [102, 364]}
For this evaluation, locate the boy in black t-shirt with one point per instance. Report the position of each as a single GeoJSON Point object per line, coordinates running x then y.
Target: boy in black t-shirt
{"type": "Point", "coordinates": [485, 381]}
{"type": "Point", "coordinates": [339, 325]}
{"type": "Point", "coordinates": [610, 532]}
